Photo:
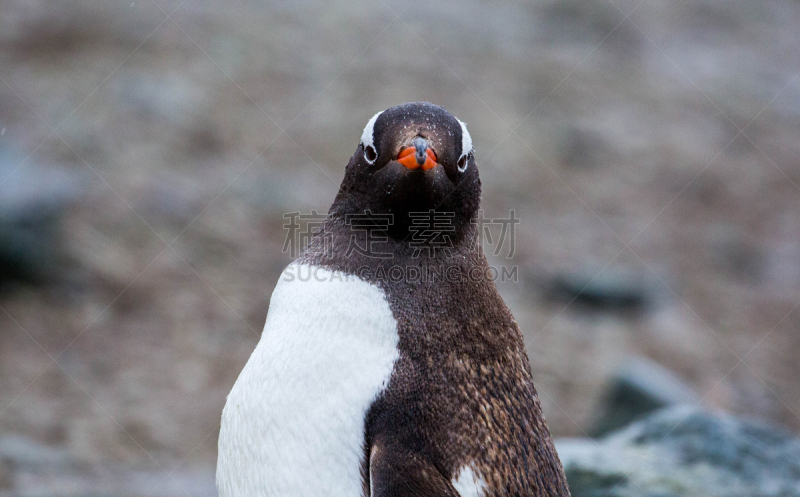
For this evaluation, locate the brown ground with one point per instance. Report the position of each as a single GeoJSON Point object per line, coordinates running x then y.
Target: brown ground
{"type": "Point", "coordinates": [669, 153]}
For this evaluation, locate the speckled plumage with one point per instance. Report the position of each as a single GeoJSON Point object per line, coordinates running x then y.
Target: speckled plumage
{"type": "Point", "coordinates": [456, 413]}
{"type": "Point", "coordinates": [461, 393]}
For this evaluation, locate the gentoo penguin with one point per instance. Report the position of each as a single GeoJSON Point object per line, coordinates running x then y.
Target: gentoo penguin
{"type": "Point", "coordinates": [389, 365]}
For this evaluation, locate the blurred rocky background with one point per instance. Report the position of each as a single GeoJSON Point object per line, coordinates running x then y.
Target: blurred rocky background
{"type": "Point", "coordinates": [149, 150]}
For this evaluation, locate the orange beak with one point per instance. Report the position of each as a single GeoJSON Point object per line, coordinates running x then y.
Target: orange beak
{"type": "Point", "coordinates": [417, 155]}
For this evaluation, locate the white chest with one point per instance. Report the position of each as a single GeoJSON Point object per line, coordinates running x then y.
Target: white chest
{"type": "Point", "coordinates": [293, 424]}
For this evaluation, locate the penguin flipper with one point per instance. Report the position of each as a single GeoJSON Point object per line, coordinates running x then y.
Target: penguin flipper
{"type": "Point", "coordinates": [395, 472]}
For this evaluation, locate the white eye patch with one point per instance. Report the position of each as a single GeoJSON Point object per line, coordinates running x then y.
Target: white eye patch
{"type": "Point", "coordinates": [466, 147]}
{"type": "Point", "coordinates": [368, 140]}
{"type": "Point", "coordinates": [368, 136]}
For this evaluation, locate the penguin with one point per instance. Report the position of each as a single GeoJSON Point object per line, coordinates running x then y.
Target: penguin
{"type": "Point", "coordinates": [389, 365]}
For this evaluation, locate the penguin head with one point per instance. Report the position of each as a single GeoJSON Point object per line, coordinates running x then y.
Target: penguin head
{"type": "Point", "coordinates": [415, 157]}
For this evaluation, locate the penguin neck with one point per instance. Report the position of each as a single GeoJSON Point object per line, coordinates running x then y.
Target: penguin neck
{"type": "Point", "coordinates": [352, 242]}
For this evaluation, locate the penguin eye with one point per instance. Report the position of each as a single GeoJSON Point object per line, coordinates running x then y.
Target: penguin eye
{"type": "Point", "coordinates": [463, 162]}
{"type": "Point", "coordinates": [370, 154]}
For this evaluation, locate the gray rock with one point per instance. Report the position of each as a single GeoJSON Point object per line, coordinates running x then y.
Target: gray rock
{"type": "Point", "coordinates": [608, 290]}
{"type": "Point", "coordinates": [639, 387]}
{"type": "Point", "coordinates": [33, 199]}
{"type": "Point", "coordinates": [685, 451]}
{"type": "Point", "coordinates": [21, 452]}
{"type": "Point", "coordinates": [29, 468]}
{"type": "Point", "coordinates": [731, 251]}
{"type": "Point", "coordinates": [583, 148]}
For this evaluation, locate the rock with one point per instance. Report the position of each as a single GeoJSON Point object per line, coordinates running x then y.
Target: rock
{"type": "Point", "coordinates": [640, 386]}
{"type": "Point", "coordinates": [583, 148]}
{"type": "Point", "coordinates": [20, 452]}
{"type": "Point", "coordinates": [607, 291]}
{"type": "Point", "coordinates": [732, 252]}
{"type": "Point", "coordinates": [29, 468]}
{"type": "Point", "coordinates": [685, 451]}
{"type": "Point", "coordinates": [33, 199]}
